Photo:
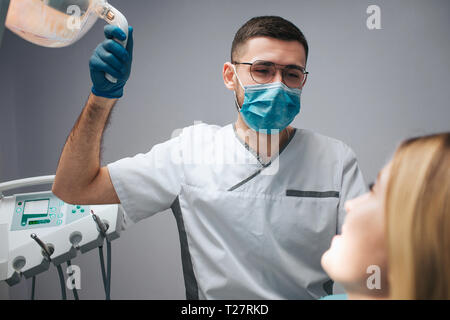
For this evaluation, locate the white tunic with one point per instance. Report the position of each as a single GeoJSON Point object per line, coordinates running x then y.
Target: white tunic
{"type": "Point", "coordinates": [248, 230]}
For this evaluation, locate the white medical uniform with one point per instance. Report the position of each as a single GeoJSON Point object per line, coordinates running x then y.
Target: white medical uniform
{"type": "Point", "coordinates": [248, 229]}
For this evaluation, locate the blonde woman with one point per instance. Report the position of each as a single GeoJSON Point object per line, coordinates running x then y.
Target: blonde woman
{"type": "Point", "coordinates": [359, 254]}
{"type": "Point", "coordinates": [399, 231]}
{"type": "Point", "coordinates": [418, 219]}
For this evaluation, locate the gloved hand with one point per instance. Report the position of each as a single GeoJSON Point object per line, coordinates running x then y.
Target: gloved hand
{"type": "Point", "coordinates": [110, 57]}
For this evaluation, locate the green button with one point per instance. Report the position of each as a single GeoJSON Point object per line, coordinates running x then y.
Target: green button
{"type": "Point", "coordinates": [78, 207]}
{"type": "Point", "coordinates": [20, 203]}
{"type": "Point", "coordinates": [73, 211]}
{"type": "Point", "coordinates": [38, 222]}
{"type": "Point", "coordinates": [82, 210]}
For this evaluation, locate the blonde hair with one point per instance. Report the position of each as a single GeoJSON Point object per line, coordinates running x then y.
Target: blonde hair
{"type": "Point", "coordinates": [418, 219]}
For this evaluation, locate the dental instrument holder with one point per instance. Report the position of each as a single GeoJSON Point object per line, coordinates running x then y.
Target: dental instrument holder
{"type": "Point", "coordinates": [47, 250]}
{"type": "Point", "coordinates": [101, 226]}
{"type": "Point", "coordinates": [116, 18]}
{"type": "Point", "coordinates": [75, 232]}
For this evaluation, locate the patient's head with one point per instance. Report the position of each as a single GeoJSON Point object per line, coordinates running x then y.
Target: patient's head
{"type": "Point", "coordinates": [418, 219]}
{"type": "Point", "coordinates": [358, 255]}
{"type": "Point", "coordinates": [402, 226]}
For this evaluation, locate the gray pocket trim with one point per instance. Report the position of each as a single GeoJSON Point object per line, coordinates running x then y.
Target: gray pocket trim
{"type": "Point", "coordinates": [312, 194]}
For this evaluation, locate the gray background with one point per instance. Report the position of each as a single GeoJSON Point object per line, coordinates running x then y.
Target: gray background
{"type": "Point", "coordinates": [370, 89]}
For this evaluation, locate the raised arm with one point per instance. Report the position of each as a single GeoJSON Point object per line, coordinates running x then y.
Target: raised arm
{"type": "Point", "coordinates": [79, 177]}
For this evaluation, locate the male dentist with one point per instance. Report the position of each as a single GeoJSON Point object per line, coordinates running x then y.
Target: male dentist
{"type": "Point", "coordinates": [257, 202]}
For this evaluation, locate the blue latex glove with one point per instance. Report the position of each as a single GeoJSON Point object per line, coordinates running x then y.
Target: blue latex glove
{"type": "Point", "coordinates": [110, 57]}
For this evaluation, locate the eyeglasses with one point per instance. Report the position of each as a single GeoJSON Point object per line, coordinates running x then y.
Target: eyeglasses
{"type": "Point", "coordinates": [264, 71]}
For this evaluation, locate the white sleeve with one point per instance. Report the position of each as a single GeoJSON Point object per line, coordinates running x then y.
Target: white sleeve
{"type": "Point", "coordinates": [148, 183]}
{"type": "Point", "coordinates": [353, 184]}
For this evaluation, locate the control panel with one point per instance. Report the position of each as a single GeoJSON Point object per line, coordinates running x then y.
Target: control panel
{"type": "Point", "coordinates": [43, 210]}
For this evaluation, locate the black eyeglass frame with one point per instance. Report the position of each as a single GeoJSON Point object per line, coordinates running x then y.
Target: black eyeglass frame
{"type": "Point", "coordinates": [292, 66]}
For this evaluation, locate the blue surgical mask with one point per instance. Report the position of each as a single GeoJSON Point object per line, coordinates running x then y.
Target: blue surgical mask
{"type": "Point", "coordinates": [269, 106]}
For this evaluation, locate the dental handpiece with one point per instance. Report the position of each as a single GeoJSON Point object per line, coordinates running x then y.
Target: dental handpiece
{"type": "Point", "coordinates": [46, 250]}
{"type": "Point", "coordinates": [102, 227]}
{"type": "Point", "coordinates": [113, 17]}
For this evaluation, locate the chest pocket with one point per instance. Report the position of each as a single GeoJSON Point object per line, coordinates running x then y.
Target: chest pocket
{"type": "Point", "coordinates": [312, 220]}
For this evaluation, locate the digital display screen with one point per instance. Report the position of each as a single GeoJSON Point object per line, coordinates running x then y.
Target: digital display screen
{"type": "Point", "coordinates": [36, 207]}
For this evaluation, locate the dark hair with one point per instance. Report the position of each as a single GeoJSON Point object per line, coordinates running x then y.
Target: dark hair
{"type": "Point", "coordinates": [268, 26]}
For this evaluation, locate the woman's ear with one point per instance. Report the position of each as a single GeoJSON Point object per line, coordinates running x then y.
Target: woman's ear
{"type": "Point", "coordinates": [228, 76]}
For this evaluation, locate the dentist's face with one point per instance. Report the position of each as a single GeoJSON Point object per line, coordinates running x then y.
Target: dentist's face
{"type": "Point", "coordinates": [362, 242]}
{"type": "Point", "coordinates": [262, 48]}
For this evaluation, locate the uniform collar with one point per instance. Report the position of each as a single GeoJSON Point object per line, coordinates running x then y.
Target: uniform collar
{"type": "Point", "coordinates": [255, 154]}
